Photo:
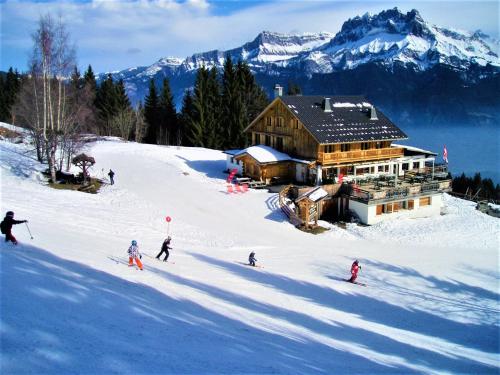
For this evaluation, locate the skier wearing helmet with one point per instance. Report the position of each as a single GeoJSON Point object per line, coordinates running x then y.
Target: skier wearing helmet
{"type": "Point", "coordinates": [134, 254]}
{"type": "Point", "coordinates": [164, 249]}
{"type": "Point", "coordinates": [354, 271]}
{"type": "Point", "coordinates": [6, 226]}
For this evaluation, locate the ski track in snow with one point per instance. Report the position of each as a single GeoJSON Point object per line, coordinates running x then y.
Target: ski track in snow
{"type": "Point", "coordinates": [71, 304]}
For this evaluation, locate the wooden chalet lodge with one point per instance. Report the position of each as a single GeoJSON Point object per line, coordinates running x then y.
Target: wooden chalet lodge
{"type": "Point", "coordinates": [345, 146]}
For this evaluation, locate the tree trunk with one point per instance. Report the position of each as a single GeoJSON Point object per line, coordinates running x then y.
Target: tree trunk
{"type": "Point", "coordinates": [51, 147]}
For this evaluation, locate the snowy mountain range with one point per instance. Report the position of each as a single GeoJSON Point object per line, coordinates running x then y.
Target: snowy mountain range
{"type": "Point", "coordinates": [389, 42]}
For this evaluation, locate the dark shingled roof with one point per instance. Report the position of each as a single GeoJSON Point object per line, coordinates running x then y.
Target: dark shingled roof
{"type": "Point", "coordinates": [349, 120]}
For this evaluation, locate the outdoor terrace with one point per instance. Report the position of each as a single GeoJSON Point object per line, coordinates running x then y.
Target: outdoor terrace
{"type": "Point", "coordinates": [414, 183]}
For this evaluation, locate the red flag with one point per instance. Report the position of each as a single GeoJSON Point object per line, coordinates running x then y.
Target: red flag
{"type": "Point", "coordinates": [341, 177]}
{"type": "Point", "coordinates": [445, 154]}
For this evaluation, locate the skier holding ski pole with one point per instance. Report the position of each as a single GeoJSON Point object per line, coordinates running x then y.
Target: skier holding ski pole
{"type": "Point", "coordinates": [6, 227]}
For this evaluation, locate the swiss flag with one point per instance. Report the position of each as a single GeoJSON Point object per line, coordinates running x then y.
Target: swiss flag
{"type": "Point", "coordinates": [445, 154]}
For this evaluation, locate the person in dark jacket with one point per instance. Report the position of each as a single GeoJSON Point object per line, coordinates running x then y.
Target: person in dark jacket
{"type": "Point", "coordinates": [7, 223]}
{"type": "Point", "coordinates": [111, 174]}
{"type": "Point", "coordinates": [165, 248]}
{"type": "Point", "coordinates": [251, 259]}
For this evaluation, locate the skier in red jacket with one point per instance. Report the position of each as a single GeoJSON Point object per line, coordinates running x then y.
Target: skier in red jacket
{"type": "Point", "coordinates": [354, 271]}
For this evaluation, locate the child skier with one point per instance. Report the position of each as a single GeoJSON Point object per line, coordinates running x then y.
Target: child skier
{"type": "Point", "coordinates": [6, 226]}
{"type": "Point", "coordinates": [251, 259]}
{"type": "Point", "coordinates": [134, 254]}
{"type": "Point", "coordinates": [165, 248]}
{"type": "Point", "coordinates": [354, 271]}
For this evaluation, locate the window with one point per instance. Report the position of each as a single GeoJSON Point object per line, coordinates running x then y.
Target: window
{"type": "Point", "coordinates": [416, 165]}
{"type": "Point", "coordinates": [279, 143]}
{"type": "Point", "coordinates": [426, 201]}
{"type": "Point", "coordinates": [378, 144]}
{"type": "Point", "coordinates": [344, 147]}
{"type": "Point", "coordinates": [232, 160]}
{"type": "Point", "coordinates": [294, 123]}
{"type": "Point", "coordinates": [405, 166]}
{"type": "Point", "coordinates": [268, 140]}
{"type": "Point", "coordinates": [257, 139]}
{"type": "Point", "coordinates": [365, 145]}
{"type": "Point", "coordinates": [269, 121]}
{"type": "Point", "coordinates": [388, 208]}
{"type": "Point", "coordinates": [329, 148]}
{"type": "Point", "coordinates": [280, 121]}
{"type": "Point", "coordinates": [380, 168]}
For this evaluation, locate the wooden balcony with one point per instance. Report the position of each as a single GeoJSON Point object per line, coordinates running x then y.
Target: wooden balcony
{"type": "Point", "coordinates": [374, 192]}
{"type": "Point", "coordinates": [359, 155]}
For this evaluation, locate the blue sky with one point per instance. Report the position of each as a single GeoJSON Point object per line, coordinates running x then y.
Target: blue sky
{"type": "Point", "coordinates": [113, 35]}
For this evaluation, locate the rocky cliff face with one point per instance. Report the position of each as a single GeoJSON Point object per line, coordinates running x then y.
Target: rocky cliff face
{"type": "Point", "coordinates": [396, 59]}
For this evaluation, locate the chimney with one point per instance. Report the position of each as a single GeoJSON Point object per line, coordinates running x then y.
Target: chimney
{"type": "Point", "coordinates": [278, 91]}
{"type": "Point", "coordinates": [326, 105]}
{"type": "Point", "coordinates": [373, 113]}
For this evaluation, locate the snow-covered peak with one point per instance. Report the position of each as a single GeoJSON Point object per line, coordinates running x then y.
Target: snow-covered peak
{"type": "Point", "coordinates": [394, 37]}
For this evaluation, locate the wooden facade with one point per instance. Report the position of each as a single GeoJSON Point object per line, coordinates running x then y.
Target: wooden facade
{"type": "Point", "coordinates": [278, 127]}
{"type": "Point", "coordinates": [264, 172]}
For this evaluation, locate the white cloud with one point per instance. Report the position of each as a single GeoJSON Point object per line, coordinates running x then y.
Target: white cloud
{"type": "Point", "coordinates": [106, 31]}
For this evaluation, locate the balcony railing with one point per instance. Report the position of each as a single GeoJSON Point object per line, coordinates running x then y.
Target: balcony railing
{"type": "Point", "coordinates": [358, 155]}
{"type": "Point", "coordinates": [366, 195]}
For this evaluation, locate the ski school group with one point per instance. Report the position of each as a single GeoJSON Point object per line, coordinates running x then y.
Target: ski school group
{"type": "Point", "coordinates": [134, 255]}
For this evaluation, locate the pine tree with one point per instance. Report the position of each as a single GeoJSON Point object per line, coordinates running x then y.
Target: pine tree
{"type": "Point", "coordinates": [185, 120]}
{"type": "Point", "coordinates": [106, 102]}
{"type": "Point", "coordinates": [9, 89]}
{"type": "Point", "coordinates": [76, 79]}
{"type": "Point", "coordinates": [152, 115]}
{"type": "Point", "coordinates": [213, 130]}
{"type": "Point", "coordinates": [168, 115]}
{"type": "Point", "coordinates": [253, 96]}
{"type": "Point", "coordinates": [233, 110]}
{"type": "Point", "coordinates": [89, 78]}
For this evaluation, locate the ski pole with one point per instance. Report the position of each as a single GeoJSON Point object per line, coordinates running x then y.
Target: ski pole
{"type": "Point", "coordinates": [29, 230]}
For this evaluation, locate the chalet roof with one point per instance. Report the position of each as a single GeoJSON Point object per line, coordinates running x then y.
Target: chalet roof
{"type": "Point", "coordinates": [314, 195]}
{"type": "Point", "coordinates": [349, 119]}
{"type": "Point", "coordinates": [410, 150]}
{"type": "Point", "coordinates": [266, 154]}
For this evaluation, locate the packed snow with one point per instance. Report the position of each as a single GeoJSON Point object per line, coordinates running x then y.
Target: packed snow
{"type": "Point", "coordinates": [70, 303]}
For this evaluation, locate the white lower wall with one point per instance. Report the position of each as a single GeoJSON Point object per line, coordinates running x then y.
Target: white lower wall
{"type": "Point", "coordinates": [368, 213]}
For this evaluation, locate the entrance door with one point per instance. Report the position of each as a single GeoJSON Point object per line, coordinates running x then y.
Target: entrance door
{"type": "Point", "coordinates": [300, 172]}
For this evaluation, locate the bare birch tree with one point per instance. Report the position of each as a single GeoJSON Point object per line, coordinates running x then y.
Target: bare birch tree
{"type": "Point", "coordinates": [52, 60]}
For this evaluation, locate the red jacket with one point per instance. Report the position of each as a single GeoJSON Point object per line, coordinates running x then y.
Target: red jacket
{"type": "Point", "coordinates": [354, 269]}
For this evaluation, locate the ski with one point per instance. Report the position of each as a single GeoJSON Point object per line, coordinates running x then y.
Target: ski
{"type": "Point", "coordinates": [356, 282]}
{"type": "Point", "coordinates": [249, 265]}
